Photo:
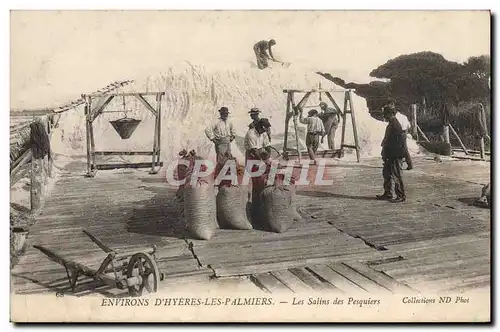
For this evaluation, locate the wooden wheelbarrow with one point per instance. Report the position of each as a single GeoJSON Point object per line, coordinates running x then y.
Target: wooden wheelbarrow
{"type": "Point", "coordinates": [133, 271]}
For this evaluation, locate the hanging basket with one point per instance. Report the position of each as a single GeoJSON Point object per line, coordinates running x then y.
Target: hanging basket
{"type": "Point", "coordinates": [125, 127]}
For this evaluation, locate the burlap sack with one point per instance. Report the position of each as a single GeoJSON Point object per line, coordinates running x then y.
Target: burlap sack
{"type": "Point", "coordinates": [232, 207]}
{"type": "Point", "coordinates": [200, 213]}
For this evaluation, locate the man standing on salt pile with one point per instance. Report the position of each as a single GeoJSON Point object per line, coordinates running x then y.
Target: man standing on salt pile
{"type": "Point", "coordinates": [222, 133]}
{"type": "Point", "coordinates": [254, 115]}
{"type": "Point", "coordinates": [331, 120]}
{"type": "Point", "coordinates": [406, 126]}
{"type": "Point", "coordinates": [261, 50]}
{"type": "Point", "coordinates": [393, 151]}
{"type": "Point", "coordinates": [315, 129]}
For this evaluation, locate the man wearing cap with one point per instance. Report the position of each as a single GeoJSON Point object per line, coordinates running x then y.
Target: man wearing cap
{"type": "Point", "coordinates": [331, 120]}
{"type": "Point", "coordinates": [254, 115]}
{"type": "Point", "coordinates": [222, 133]}
{"type": "Point", "coordinates": [261, 50]}
{"type": "Point", "coordinates": [393, 150]}
{"type": "Point", "coordinates": [315, 129]}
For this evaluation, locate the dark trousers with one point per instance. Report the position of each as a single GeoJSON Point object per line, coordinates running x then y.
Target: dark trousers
{"type": "Point", "coordinates": [392, 174]}
{"type": "Point", "coordinates": [261, 58]}
{"type": "Point", "coordinates": [312, 143]}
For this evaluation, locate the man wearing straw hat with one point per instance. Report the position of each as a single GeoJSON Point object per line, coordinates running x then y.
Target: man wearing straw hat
{"type": "Point", "coordinates": [254, 115]}
{"type": "Point", "coordinates": [222, 133]}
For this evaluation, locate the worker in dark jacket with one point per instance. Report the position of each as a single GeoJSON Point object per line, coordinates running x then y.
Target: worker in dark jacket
{"type": "Point", "coordinates": [263, 53]}
{"type": "Point", "coordinates": [393, 151]}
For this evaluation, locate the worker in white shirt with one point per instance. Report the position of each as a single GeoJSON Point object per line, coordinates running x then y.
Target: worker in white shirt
{"type": "Point", "coordinates": [257, 140]}
{"type": "Point", "coordinates": [222, 133]}
{"type": "Point", "coordinates": [315, 130]}
{"type": "Point", "coordinates": [406, 126]}
{"type": "Point", "coordinates": [257, 147]}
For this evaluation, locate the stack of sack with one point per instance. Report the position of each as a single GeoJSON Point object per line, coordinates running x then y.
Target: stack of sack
{"type": "Point", "coordinates": [232, 198]}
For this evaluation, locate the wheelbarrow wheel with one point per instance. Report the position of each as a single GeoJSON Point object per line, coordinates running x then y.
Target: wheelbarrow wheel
{"type": "Point", "coordinates": [144, 268]}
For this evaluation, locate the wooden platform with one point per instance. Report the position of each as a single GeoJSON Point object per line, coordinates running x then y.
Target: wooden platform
{"type": "Point", "coordinates": [347, 240]}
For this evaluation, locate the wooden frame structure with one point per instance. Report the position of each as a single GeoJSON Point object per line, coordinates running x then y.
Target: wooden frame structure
{"type": "Point", "coordinates": [93, 111]}
{"type": "Point", "coordinates": [292, 111]}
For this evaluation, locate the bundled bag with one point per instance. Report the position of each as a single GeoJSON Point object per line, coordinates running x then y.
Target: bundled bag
{"type": "Point", "coordinates": [199, 206]}
{"type": "Point", "coordinates": [232, 200]}
{"type": "Point", "coordinates": [278, 209]}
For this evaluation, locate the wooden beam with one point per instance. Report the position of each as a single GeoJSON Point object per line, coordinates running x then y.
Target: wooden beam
{"type": "Point", "coordinates": [145, 103]}
{"type": "Point", "coordinates": [301, 103]}
{"type": "Point", "coordinates": [128, 94]}
{"type": "Point", "coordinates": [98, 242]}
{"type": "Point", "coordinates": [123, 153]}
{"type": "Point", "coordinates": [125, 165]}
{"type": "Point", "coordinates": [100, 107]}
{"type": "Point", "coordinates": [334, 103]}
{"type": "Point", "coordinates": [472, 151]}
{"type": "Point", "coordinates": [458, 138]}
{"type": "Point", "coordinates": [317, 90]}
{"type": "Point", "coordinates": [422, 133]}
{"type": "Point", "coordinates": [32, 112]}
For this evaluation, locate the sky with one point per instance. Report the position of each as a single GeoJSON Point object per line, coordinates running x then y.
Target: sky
{"type": "Point", "coordinates": [55, 53]}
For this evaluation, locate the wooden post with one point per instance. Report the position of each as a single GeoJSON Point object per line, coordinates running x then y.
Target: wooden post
{"type": "Point", "coordinates": [158, 98]}
{"type": "Point", "coordinates": [155, 145]}
{"type": "Point", "coordinates": [414, 121]}
{"type": "Point", "coordinates": [91, 134]}
{"type": "Point", "coordinates": [287, 121]}
{"type": "Point", "coordinates": [485, 126]}
{"type": "Point", "coordinates": [446, 134]}
{"type": "Point", "coordinates": [87, 131]}
{"type": "Point", "coordinates": [481, 142]}
{"type": "Point", "coordinates": [37, 181]}
{"type": "Point", "coordinates": [482, 123]}
{"type": "Point", "coordinates": [296, 131]}
{"type": "Point", "coordinates": [353, 118]}
{"type": "Point", "coordinates": [344, 118]}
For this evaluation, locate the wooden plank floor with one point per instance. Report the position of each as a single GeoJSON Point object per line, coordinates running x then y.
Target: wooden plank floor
{"type": "Point", "coordinates": [346, 242]}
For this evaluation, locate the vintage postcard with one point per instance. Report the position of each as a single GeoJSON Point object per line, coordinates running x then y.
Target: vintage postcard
{"type": "Point", "coordinates": [250, 166]}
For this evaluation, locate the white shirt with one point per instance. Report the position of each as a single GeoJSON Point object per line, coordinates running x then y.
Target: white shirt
{"type": "Point", "coordinates": [219, 129]}
{"type": "Point", "coordinates": [403, 121]}
{"type": "Point", "coordinates": [314, 124]}
{"type": "Point", "coordinates": [255, 141]}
